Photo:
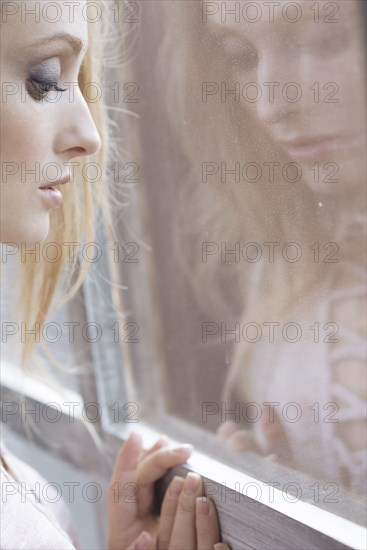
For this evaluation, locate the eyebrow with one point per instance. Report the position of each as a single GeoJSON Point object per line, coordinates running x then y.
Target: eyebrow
{"type": "Point", "coordinates": [76, 43]}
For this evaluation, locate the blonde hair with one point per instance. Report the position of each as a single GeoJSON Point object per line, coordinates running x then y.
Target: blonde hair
{"type": "Point", "coordinates": [219, 212]}
{"type": "Point", "coordinates": [84, 206]}
{"type": "Point", "coordinates": [74, 221]}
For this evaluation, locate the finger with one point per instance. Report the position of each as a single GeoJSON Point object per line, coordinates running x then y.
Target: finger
{"type": "Point", "coordinates": [243, 441]}
{"type": "Point", "coordinates": [123, 483]}
{"type": "Point", "coordinates": [184, 527]}
{"type": "Point", "coordinates": [221, 546]}
{"type": "Point", "coordinates": [207, 527]}
{"type": "Point", "coordinates": [143, 542]}
{"type": "Point", "coordinates": [163, 441]}
{"type": "Point", "coordinates": [155, 465]}
{"type": "Point", "coordinates": [128, 456]}
{"type": "Point", "coordinates": [168, 512]}
{"type": "Point", "coordinates": [226, 429]}
{"type": "Point", "coordinates": [276, 437]}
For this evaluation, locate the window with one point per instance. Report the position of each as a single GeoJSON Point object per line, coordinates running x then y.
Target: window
{"type": "Point", "coordinates": [231, 297]}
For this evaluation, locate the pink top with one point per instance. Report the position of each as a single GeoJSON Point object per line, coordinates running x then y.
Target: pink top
{"type": "Point", "coordinates": [28, 521]}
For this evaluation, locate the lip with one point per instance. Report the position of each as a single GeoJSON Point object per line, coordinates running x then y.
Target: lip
{"type": "Point", "coordinates": [62, 181]}
{"type": "Point", "coordinates": [308, 148]}
{"type": "Point", "coordinates": [52, 196]}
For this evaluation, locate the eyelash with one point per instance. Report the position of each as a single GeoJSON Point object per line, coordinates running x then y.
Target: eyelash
{"type": "Point", "coordinates": [44, 87]}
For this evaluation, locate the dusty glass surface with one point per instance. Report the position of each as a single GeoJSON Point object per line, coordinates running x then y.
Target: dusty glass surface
{"type": "Point", "coordinates": [250, 145]}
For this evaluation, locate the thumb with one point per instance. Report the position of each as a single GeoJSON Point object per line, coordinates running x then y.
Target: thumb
{"type": "Point", "coordinates": [121, 500]}
{"type": "Point", "coordinates": [143, 542]}
{"type": "Point", "coordinates": [272, 435]}
{"type": "Point", "coordinates": [128, 455]}
{"type": "Point", "coordinates": [224, 431]}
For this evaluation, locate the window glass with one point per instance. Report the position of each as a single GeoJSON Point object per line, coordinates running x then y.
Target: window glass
{"type": "Point", "coordinates": [247, 127]}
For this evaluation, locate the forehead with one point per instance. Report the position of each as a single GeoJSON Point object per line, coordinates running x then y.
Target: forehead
{"type": "Point", "coordinates": [264, 20]}
{"type": "Point", "coordinates": [23, 22]}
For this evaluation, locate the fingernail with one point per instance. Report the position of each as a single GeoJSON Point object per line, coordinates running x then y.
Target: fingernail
{"type": "Point", "coordinates": [202, 506]}
{"type": "Point", "coordinates": [163, 440]}
{"type": "Point", "coordinates": [220, 546]}
{"type": "Point", "coordinates": [191, 484]}
{"type": "Point", "coordinates": [176, 486]}
{"type": "Point", "coordinates": [185, 447]}
{"type": "Point", "coordinates": [143, 542]}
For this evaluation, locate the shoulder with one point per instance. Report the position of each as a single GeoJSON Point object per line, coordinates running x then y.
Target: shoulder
{"type": "Point", "coordinates": [32, 506]}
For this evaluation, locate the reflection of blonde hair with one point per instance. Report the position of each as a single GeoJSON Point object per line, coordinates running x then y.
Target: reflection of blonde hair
{"type": "Point", "coordinates": [230, 212]}
{"type": "Point", "coordinates": [75, 221]}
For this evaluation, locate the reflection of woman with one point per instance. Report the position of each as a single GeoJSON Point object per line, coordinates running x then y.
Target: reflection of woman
{"type": "Point", "coordinates": [325, 379]}
{"type": "Point", "coordinates": [47, 129]}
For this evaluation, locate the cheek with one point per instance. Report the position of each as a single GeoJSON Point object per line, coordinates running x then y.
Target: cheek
{"type": "Point", "coordinates": [25, 144]}
{"type": "Point", "coordinates": [20, 131]}
{"type": "Point", "coordinates": [24, 218]}
{"type": "Point", "coordinates": [353, 93]}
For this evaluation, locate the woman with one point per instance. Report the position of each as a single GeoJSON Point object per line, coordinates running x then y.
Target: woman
{"type": "Point", "coordinates": [258, 91]}
{"type": "Point", "coordinates": [43, 126]}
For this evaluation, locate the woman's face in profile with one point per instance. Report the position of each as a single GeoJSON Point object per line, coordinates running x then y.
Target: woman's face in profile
{"type": "Point", "coordinates": [307, 62]}
{"type": "Point", "coordinates": [42, 129]}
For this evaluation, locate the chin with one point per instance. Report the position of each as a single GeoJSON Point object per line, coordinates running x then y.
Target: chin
{"type": "Point", "coordinates": [339, 178]}
{"type": "Point", "coordinates": [40, 235]}
{"type": "Point", "coordinates": [27, 237]}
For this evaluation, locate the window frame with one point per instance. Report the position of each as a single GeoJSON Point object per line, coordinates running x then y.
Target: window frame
{"type": "Point", "coordinates": [246, 522]}
{"type": "Point", "coordinates": [277, 524]}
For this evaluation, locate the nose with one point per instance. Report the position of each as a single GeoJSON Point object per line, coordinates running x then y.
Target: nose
{"type": "Point", "coordinates": [281, 91]}
{"type": "Point", "coordinates": [78, 134]}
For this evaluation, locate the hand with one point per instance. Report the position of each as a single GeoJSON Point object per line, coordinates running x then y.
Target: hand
{"type": "Point", "coordinates": [130, 512]}
{"type": "Point", "coordinates": [237, 440]}
{"type": "Point", "coordinates": [130, 498]}
{"type": "Point", "coordinates": [188, 520]}
{"type": "Point", "coordinates": [268, 439]}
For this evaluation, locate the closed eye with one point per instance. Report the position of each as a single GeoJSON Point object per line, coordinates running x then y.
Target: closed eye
{"type": "Point", "coordinates": [39, 89]}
